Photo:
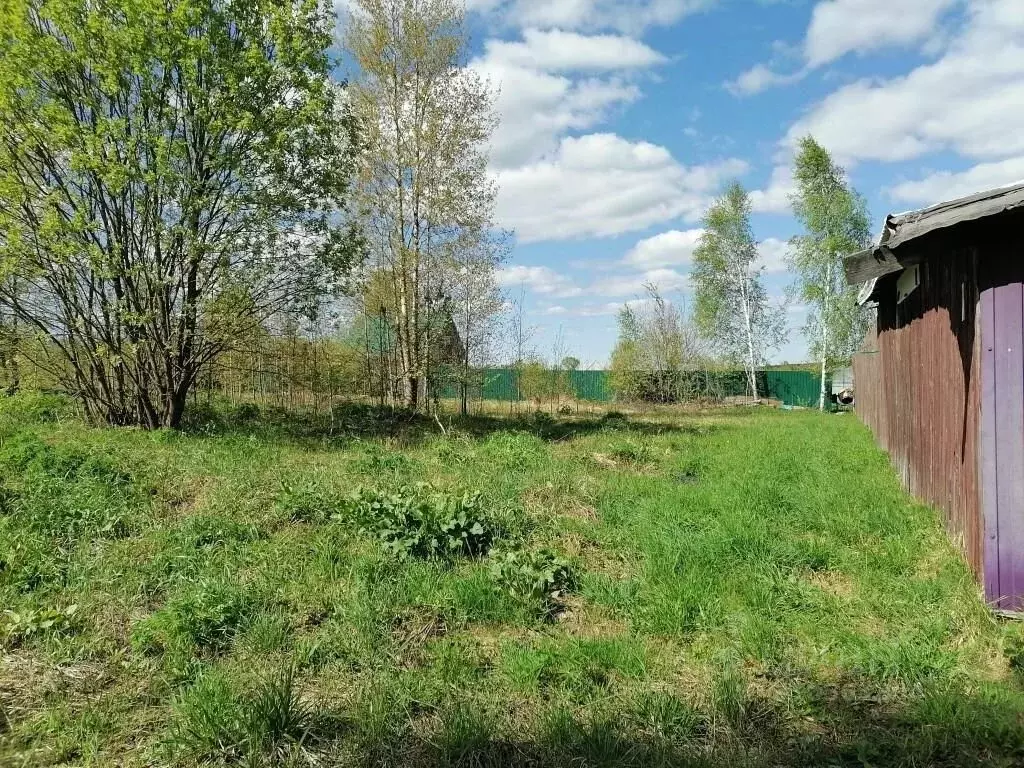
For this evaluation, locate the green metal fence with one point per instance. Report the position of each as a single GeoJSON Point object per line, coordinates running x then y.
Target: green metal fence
{"type": "Point", "coordinates": [802, 388]}
{"type": "Point", "coordinates": [798, 388]}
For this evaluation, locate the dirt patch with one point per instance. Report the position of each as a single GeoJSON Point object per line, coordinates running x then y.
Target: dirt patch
{"type": "Point", "coordinates": [413, 629]}
{"type": "Point", "coordinates": [582, 619]}
{"type": "Point", "coordinates": [833, 582]}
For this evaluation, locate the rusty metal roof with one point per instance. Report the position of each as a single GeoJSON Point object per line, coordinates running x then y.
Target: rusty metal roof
{"type": "Point", "coordinates": [879, 260]}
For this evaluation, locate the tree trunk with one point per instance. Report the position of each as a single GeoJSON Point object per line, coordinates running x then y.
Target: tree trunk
{"type": "Point", "coordinates": [824, 334]}
{"type": "Point", "coordinates": [751, 372]}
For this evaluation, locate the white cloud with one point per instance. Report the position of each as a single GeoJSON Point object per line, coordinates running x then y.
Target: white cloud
{"type": "Point", "coordinates": [672, 248]}
{"type": "Point", "coordinates": [775, 197]}
{"type": "Point", "coordinates": [542, 280]}
{"type": "Point", "coordinates": [944, 185]}
{"type": "Point", "coordinates": [554, 82]}
{"type": "Point", "coordinates": [632, 16]}
{"type": "Point", "coordinates": [665, 280]}
{"type": "Point", "coordinates": [772, 254]}
{"type": "Point", "coordinates": [839, 27]}
{"type": "Point", "coordinates": [971, 100]}
{"type": "Point", "coordinates": [758, 78]}
{"type": "Point", "coordinates": [558, 51]}
{"type": "Point", "coordinates": [601, 185]}
{"type": "Point", "coordinates": [556, 309]}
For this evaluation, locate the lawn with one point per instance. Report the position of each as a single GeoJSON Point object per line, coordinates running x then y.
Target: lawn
{"type": "Point", "coordinates": [726, 588]}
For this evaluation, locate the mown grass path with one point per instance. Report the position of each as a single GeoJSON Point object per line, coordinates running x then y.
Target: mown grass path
{"type": "Point", "coordinates": [728, 588]}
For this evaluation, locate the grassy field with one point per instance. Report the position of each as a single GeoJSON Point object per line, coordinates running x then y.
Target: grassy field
{"type": "Point", "coordinates": [730, 588]}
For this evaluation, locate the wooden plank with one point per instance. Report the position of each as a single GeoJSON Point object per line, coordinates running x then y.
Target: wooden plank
{"type": "Point", "coordinates": [874, 262]}
{"type": "Point", "coordinates": [988, 448]}
{"type": "Point", "coordinates": [1009, 371]}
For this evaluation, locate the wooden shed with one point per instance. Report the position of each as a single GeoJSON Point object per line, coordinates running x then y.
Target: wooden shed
{"type": "Point", "coordinates": [940, 378]}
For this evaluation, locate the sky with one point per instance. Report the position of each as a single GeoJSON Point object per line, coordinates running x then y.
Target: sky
{"type": "Point", "coordinates": [621, 120]}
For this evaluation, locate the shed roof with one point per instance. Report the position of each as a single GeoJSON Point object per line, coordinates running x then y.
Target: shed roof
{"type": "Point", "coordinates": [880, 260]}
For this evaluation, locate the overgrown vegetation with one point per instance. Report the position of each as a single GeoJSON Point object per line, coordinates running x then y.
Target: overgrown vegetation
{"type": "Point", "coordinates": [726, 588]}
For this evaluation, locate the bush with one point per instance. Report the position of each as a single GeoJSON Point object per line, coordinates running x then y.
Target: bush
{"type": "Point", "coordinates": [534, 576]}
{"type": "Point", "coordinates": [413, 522]}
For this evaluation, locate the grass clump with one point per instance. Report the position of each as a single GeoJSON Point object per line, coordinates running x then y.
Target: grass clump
{"type": "Point", "coordinates": [204, 617]}
{"type": "Point", "coordinates": [259, 727]}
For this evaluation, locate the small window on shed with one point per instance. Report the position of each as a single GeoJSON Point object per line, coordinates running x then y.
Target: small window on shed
{"type": "Point", "coordinates": [907, 282]}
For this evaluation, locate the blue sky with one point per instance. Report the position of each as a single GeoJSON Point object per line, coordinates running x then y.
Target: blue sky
{"type": "Point", "coordinates": [622, 119]}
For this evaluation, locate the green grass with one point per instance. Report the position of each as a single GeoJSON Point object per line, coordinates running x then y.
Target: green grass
{"type": "Point", "coordinates": [730, 588]}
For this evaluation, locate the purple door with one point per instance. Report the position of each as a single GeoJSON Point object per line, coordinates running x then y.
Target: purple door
{"type": "Point", "coordinates": [1002, 443]}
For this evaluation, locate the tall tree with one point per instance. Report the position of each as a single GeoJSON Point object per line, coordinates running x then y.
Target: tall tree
{"type": "Point", "coordinates": [732, 308]}
{"type": "Point", "coordinates": [835, 222]}
{"type": "Point", "coordinates": [424, 194]}
{"type": "Point", "coordinates": [657, 348]}
{"type": "Point", "coordinates": [170, 176]}
{"type": "Point", "coordinates": [477, 305]}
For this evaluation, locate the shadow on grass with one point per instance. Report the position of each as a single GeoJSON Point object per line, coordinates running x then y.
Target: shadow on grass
{"type": "Point", "coordinates": [355, 420]}
{"type": "Point", "coordinates": [951, 729]}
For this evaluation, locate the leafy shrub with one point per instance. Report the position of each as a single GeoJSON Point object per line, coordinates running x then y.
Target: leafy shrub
{"type": "Point", "coordinates": [26, 625]}
{"type": "Point", "coordinates": [536, 576]}
{"type": "Point", "coordinates": [413, 522]}
{"type": "Point", "coordinates": [565, 410]}
{"type": "Point", "coordinates": [247, 412]}
{"type": "Point", "coordinates": [207, 616]}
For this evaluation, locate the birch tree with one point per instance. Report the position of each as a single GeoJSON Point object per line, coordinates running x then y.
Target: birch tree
{"type": "Point", "coordinates": [424, 194]}
{"type": "Point", "coordinates": [171, 175]}
{"type": "Point", "coordinates": [732, 307]}
{"type": "Point", "coordinates": [835, 222]}
{"type": "Point", "coordinates": [477, 306]}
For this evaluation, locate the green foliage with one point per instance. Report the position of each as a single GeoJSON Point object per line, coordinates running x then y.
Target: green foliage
{"type": "Point", "coordinates": [26, 625]}
{"type": "Point", "coordinates": [67, 492]}
{"type": "Point", "coordinates": [184, 141]}
{"type": "Point", "coordinates": [28, 406]}
{"type": "Point", "coordinates": [770, 613]}
{"type": "Point", "coordinates": [633, 452]}
{"type": "Point", "coordinates": [415, 522]}
{"type": "Point", "coordinates": [205, 616]}
{"type": "Point", "coordinates": [835, 222]}
{"type": "Point", "coordinates": [732, 308]}
{"type": "Point", "coordinates": [306, 502]}
{"type": "Point", "coordinates": [540, 576]}
{"type": "Point", "coordinates": [213, 721]}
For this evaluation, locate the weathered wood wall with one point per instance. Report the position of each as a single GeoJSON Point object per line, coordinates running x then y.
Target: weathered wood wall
{"type": "Point", "coordinates": [918, 388]}
{"type": "Point", "coordinates": [1002, 427]}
